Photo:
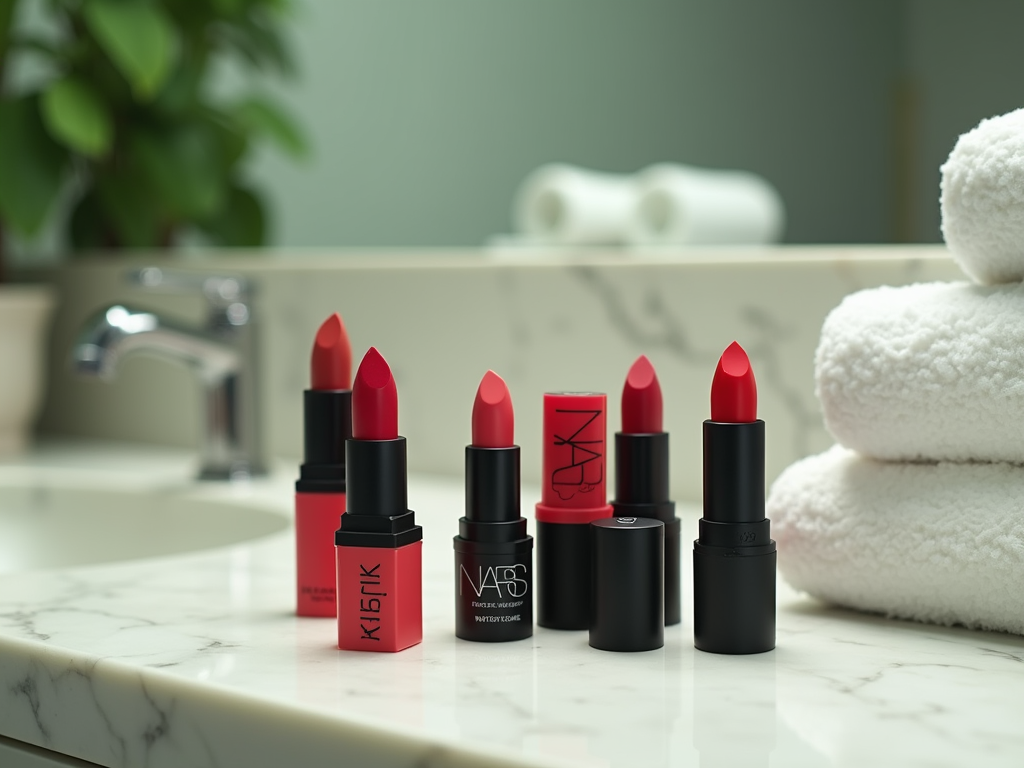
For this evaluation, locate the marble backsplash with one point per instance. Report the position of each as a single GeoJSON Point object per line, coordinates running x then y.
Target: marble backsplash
{"type": "Point", "coordinates": [544, 322]}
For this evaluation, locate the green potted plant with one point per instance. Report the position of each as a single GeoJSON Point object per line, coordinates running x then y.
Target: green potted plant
{"type": "Point", "coordinates": [125, 125]}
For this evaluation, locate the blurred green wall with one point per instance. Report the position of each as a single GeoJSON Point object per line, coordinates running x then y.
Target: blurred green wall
{"type": "Point", "coordinates": [965, 62]}
{"type": "Point", "coordinates": [426, 114]}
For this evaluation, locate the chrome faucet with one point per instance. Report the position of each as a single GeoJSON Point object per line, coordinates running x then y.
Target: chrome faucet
{"type": "Point", "coordinates": [223, 353]}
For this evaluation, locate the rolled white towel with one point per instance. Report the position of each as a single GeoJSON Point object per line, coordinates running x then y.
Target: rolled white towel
{"type": "Point", "coordinates": [940, 543]}
{"type": "Point", "coordinates": [565, 205]}
{"type": "Point", "coordinates": [683, 205]}
{"type": "Point", "coordinates": [983, 200]}
{"type": "Point", "coordinates": [933, 371]}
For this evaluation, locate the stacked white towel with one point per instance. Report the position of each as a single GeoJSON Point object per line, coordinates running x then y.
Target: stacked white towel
{"type": "Point", "coordinates": [917, 513]}
{"type": "Point", "coordinates": [928, 372]}
{"type": "Point", "coordinates": [942, 543]}
{"type": "Point", "coordinates": [983, 200]}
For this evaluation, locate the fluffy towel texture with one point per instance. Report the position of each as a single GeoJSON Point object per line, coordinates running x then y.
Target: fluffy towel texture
{"type": "Point", "coordinates": [941, 543]}
{"type": "Point", "coordinates": [933, 371]}
{"type": "Point", "coordinates": [684, 205]}
{"type": "Point", "coordinates": [983, 200]}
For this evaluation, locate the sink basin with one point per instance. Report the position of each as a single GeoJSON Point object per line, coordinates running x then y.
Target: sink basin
{"type": "Point", "coordinates": [49, 524]}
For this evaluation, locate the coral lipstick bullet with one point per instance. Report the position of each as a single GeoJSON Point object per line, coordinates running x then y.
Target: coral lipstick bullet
{"type": "Point", "coordinates": [734, 557]}
{"type": "Point", "coordinates": [378, 546]}
{"type": "Point", "coordinates": [642, 471]}
{"type": "Point", "coordinates": [320, 490]}
{"type": "Point", "coordinates": [493, 553]}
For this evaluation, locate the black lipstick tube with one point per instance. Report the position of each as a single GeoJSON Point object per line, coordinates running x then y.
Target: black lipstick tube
{"type": "Point", "coordinates": [327, 424]}
{"type": "Point", "coordinates": [641, 490]}
{"type": "Point", "coordinates": [493, 553]}
{"type": "Point", "coordinates": [734, 557]}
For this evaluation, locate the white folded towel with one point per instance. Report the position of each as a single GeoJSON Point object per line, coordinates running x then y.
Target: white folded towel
{"type": "Point", "coordinates": [565, 205]}
{"type": "Point", "coordinates": [684, 205]}
{"type": "Point", "coordinates": [940, 543]}
{"type": "Point", "coordinates": [983, 200]}
{"type": "Point", "coordinates": [933, 371]}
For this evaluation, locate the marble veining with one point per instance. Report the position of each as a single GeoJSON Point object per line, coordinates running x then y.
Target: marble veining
{"type": "Point", "coordinates": [197, 659]}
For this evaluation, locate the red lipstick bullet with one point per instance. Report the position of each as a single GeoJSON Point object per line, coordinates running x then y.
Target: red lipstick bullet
{"type": "Point", "coordinates": [493, 553]}
{"type": "Point", "coordinates": [379, 546]}
{"type": "Point", "coordinates": [641, 399]}
{"type": "Point", "coordinates": [734, 557]}
{"type": "Point", "coordinates": [642, 471]}
{"type": "Point", "coordinates": [376, 418]}
{"type": "Point", "coordinates": [331, 362]}
{"type": "Point", "coordinates": [320, 490]}
{"type": "Point", "coordinates": [733, 390]}
{"type": "Point", "coordinates": [573, 495]}
{"type": "Point", "coordinates": [493, 418]}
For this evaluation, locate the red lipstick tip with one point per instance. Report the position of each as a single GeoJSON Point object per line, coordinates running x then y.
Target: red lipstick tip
{"type": "Point", "coordinates": [493, 417]}
{"type": "Point", "coordinates": [374, 400]}
{"type": "Point", "coordinates": [641, 400]}
{"type": "Point", "coordinates": [734, 390]}
{"type": "Point", "coordinates": [331, 363]}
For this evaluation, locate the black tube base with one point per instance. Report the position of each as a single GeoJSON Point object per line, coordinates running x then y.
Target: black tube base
{"type": "Point", "coordinates": [327, 420]}
{"type": "Point", "coordinates": [563, 575]}
{"type": "Point", "coordinates": [734, 599]}
{"type": "Point", "coordinates": [665, 512]}
{"type": "Point", "coordinates": [493, 598]}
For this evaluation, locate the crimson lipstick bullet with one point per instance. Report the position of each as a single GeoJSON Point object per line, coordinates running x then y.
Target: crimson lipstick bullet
{"type": "Point", "coordinates": [379, 546]}
{"type": "Point", "coordinates": [734, 557]}
{"type": "Point", "coordinates": [320, 489]}
{"type": "Point", "coordinates": [493, 553]}
{"type": "Point", "coordinates": [641, 471]}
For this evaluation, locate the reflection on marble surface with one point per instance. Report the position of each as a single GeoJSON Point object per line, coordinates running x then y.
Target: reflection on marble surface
{"type": "Point", "coordinates": [198, 660]}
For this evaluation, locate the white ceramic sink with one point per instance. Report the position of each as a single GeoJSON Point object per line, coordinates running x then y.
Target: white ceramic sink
{"type": "Point", "coordinates": [48, 521]}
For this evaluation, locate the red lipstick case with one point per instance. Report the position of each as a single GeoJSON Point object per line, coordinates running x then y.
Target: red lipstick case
{"type": "Point", "coordinates": [320, 498]}
{"type": "Point", "coordinates": [573, 496]}
{"type": "Point", "coordinates": [734, 557]}
{"type": "Point", "coordinates": [642, 474]}
{"type": "Point", "coordinates": [493, 553]}
{"type": "Point", "coordinates": [379, 553]}
{"type": "Point", "coordinates": [320, 490]}
{"type": "Point", "coordinates": [379, 547]}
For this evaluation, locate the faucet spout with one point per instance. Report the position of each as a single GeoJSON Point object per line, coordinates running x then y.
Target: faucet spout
{"type": "Point", "coordinates": [223, 356]}
{"type": "Point", "coordinates": [119, 331]}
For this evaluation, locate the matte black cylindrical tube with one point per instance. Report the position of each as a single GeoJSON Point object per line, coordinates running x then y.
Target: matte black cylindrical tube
{"type": "Point", "coordinates": [493, 553]}
{"type": "Point", "coordinates": [377, 512]}
{"type": "Point", "coordinates": [492, 484]}
{"type": "Point", "coordinates": [628, 603]}
{"type": "Point", "coordinates": [380, 466]}
{"type": "Point", "coordinates": [563, 564]}
{"type": "Point", "coordinates": [641, 490]}
{"type": "Point", "coordinates": [734, 471]}
{"type": "Point", "coordinates": [734, 559]}
{"type": "Point", "coordinates": [327, 424]}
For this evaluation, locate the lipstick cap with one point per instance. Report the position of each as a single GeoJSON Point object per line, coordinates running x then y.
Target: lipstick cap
{"type": "Point", "coordinates": [628, 582]}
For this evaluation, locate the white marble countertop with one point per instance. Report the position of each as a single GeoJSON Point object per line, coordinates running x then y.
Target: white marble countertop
{"type": "Point", "coordinates": [198, 660]}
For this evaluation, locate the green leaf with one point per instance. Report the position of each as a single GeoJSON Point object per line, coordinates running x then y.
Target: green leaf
{"type": "Point", "coordinates": [31, 166]}
{"type": "Point", "coordinates": [262, 117]}
{"type": "Point", "coordinates": [232, 137]}
{"type": "Point", "coordinates": [228, 7]}
{"type": "Point", "coordinates": [128, 207]}
{"type": "Point", "coordinates": [86, 225]}
{"type": "Point", "coordinates": [260, 42]}
{"type": "Point", "coordinates": [76, 117]}
{"type": "Point", "coordinates": [184, 166]}
{"type": "Point", "coordinates": [241, 222]}
{"type": "Point", "coordinates": [138, 37]}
